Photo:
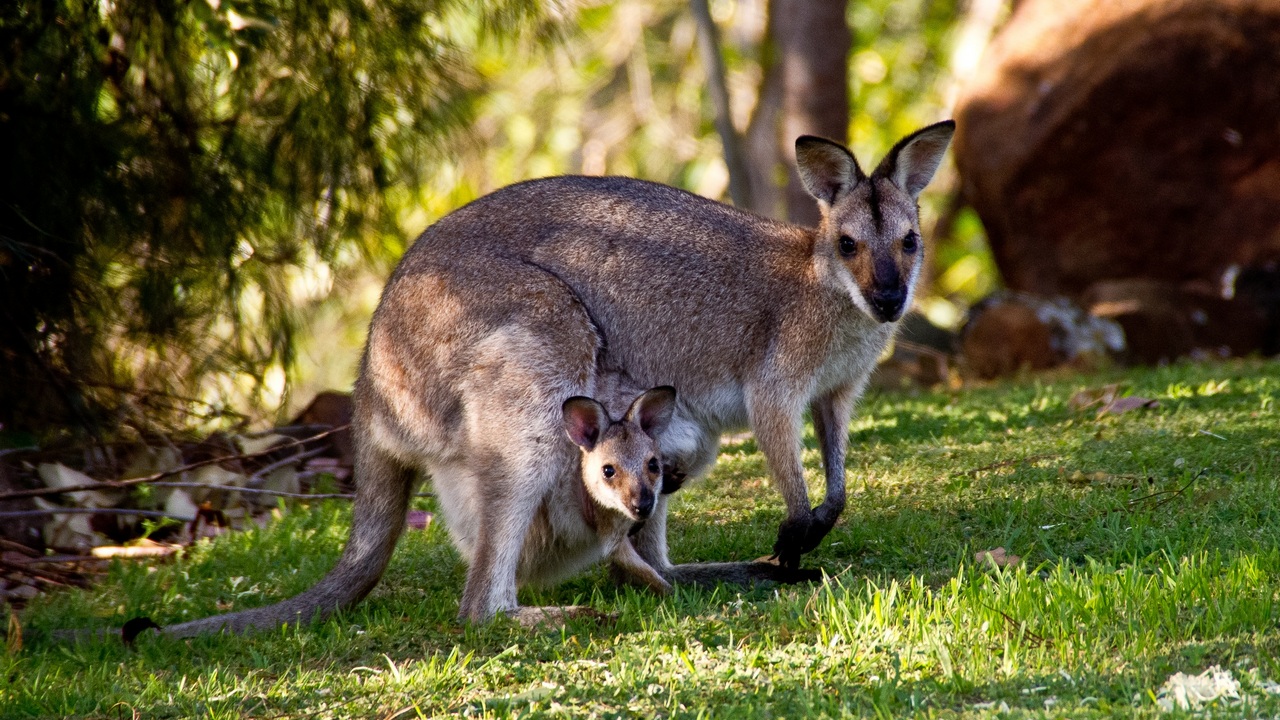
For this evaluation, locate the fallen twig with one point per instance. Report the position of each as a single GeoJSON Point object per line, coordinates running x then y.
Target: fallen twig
{"type": "Point", "coordinates": [117, 484]}
{"type": "Point", "coordinates": [45, 576]}
{"type": "Point", "coordinates": [1173, 495]}
{"type": "Point", "coordinates": [264, 491]}
{"type": "Point", "coordinates": [19, 548]}
{"type": "Point", "coordinates": [256, 491]}
{"type": "Point", "coordinates": [59, 559]}
{"type": "Point", "coordinates": [1031, 634]}
{"type": "Point", "coordinates": [258, 476]}
{"type": "Point", "coordinates": [90, 511]}
{"type": "Point", "coordinates": [1131, 505]}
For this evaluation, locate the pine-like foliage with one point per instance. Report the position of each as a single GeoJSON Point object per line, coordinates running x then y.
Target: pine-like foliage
{"type": "Point", "coordinates": [167, 167]}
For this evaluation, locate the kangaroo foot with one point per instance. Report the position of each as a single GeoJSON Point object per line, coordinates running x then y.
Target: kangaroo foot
{"type": "Point", "coordinates": [770, 567]}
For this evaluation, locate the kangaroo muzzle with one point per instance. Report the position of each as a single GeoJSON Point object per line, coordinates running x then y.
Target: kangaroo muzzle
{"type": "Point", "coordinates": [888, 304]}
{"type": "Point", "coordinates": [642, 504]}
{"type": "Point", "coordinates": [888, 296]}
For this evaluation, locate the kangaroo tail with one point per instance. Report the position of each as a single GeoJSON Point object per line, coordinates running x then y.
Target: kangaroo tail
{"type": "Point", "coordinates": [738, 573]}
{"type": "Point", "coordinates": [383, 489]}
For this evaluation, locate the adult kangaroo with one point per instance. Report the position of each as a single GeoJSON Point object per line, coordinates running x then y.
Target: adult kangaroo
{"type": "Point", "coordinates": [524, 298]}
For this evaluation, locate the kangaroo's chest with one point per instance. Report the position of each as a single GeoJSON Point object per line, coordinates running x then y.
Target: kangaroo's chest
{"type": "Point", "coordinates": [562, 541]}
{"type": "Point", "coordinates": [854, 353]}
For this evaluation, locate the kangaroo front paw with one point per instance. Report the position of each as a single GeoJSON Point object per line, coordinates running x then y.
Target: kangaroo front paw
{"type": "Point", "coordinates": [672, 479]}
{"type": "Point", "coordinates": [557, 616]}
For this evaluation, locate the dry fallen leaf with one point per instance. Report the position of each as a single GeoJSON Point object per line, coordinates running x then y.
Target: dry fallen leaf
{"type": "Point", "coordinates": [1108, 401]}
{"type": "Point", "coordinates": [1189, 692]}
{"type": "Point", "coordinates": [68, 531]}
{"type": "Point", "coordinates": [1088, 398]}
{"type": "Point", "coordinates": [1081, 478]}
{"type": "Point", "coordinates": [180, 505]}
{"type": "Point", "coordinates": [143, 548]}
{"type": "Point", "coordinates": [996, 558]}
{"type": "Point", "coordinates": [1125, 404]}
{"type": "Point", "coordinates": [57, 475]}
{"type": "Point", "coordinates": [283, 479]}
{"type": "Point", "coordinates": [148, 461]}
{"type": "Point", "coordinates": [258, 443]}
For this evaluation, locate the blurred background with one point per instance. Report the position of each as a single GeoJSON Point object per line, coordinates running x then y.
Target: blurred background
{"type": "Point", "coordinates": [201, 201]}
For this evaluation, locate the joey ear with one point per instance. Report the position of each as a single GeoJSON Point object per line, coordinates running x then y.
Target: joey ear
{"type": "Point", "coordinates": [652, 411]}
{"type": "Point", "coordinates": [584, 421]}
{"type": "Point", "coordinates": [826, 168]}
{"type": "Point", "coordinates": [912, 162]}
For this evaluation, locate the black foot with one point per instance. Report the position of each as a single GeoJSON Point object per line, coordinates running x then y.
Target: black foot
{"type": "Point", "coordinates": [802, 535]}
{"type": "Point", "coordinates": [792, 537]}
{"type": "Point", "coordinates": [135, 627]}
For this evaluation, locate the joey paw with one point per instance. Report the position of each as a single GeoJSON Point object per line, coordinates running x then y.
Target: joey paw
{"type": "Point", "coordinates": [672, 479]}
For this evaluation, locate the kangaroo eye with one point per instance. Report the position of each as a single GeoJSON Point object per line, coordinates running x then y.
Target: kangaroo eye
{"type": "Point", "coordinates": [653, 465]}
{"type": "Point", "coordinates": [847, 246]}
{"type": "Point", "coordinates": [608, 471]}
{"type": "Point", "coordinates": [911, 242]}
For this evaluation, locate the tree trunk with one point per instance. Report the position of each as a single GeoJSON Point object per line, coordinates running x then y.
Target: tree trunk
{"type": "Point", "coordinates": [709, 49]}
{"type": "Point", "coordinates": [813, 43]}
{"type": "Point", "coordinates": [764, 151]}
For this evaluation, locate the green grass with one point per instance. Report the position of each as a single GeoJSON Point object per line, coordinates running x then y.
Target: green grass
{"type": "Point", "coordinates": [1149, 544]}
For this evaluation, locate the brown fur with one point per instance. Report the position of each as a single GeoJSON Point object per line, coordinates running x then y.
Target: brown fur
{"type": "Point", "coordinates": [546, 289]}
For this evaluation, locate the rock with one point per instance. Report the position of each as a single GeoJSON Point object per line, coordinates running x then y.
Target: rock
{"type": "Point", "coordinates": [1001, 339]}
{"type": "Point", "coordinates": [1007, 332]}
{"type": "Point", "coordinates": [334, 409]}
{"type": "Point", "coordinates": [1114, 139]}
{"type": "Point", "coordinates": [1163, 321]}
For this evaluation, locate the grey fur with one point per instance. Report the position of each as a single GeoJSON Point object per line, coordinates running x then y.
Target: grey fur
{"type": "Point", "coordinates": [559, 287]}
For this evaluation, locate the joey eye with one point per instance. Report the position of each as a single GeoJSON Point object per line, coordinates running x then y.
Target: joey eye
{"type": "Point", "coordinates": [608, 471]}
{"type": "Point", "coordinates": [653, 465]}
{"type": "Point", "coordinates": [847, 246]}
{"type": "Point", "coordinates": [911, 242]}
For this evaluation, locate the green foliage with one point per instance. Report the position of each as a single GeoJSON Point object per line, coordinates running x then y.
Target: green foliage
{"type": "Point", "coordinates": [1124, 581]}
{"type": "Point", "coordinates": [197, 193]}
{"type": "Point", "coordinates": [174, 173]}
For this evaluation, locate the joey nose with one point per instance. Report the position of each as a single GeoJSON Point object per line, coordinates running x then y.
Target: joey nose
{"type": "Point", "coordinates": [888, 304]}
{"type": "Point", "coordinates": [642, 506]}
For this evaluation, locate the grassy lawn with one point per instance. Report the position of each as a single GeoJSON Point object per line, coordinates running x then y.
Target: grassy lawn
{"type": "Point", "coordinates": [1150, 545]}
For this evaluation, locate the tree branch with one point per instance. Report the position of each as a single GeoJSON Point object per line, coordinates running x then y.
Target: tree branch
{"type": "Point", "coordinates": [713, 62]}
{"type": "Point", "coordinates": [117, 484]}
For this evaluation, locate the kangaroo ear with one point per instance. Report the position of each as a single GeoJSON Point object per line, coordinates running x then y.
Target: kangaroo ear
{"type": "Point", "coordinates": [584, 421]}
{"type": "Point", "coordinates": [826, 168]}
{"type": "Point", "coordinates": [912, 162]}
{"type": "Point", "coordinates": [652, 411]}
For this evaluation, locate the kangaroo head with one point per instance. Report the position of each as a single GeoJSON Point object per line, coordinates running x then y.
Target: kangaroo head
{"type": "Point", "coordinates": [621, 468]}
{"type": "Point", "coordinates": [871, 224]}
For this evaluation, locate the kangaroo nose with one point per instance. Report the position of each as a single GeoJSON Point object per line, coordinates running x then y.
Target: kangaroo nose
{"type": "Point", "coordinates": [888, 304]}
{"type": "Point", "coordinates": [643, 504]}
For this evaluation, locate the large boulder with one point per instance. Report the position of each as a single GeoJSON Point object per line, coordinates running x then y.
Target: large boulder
{"type": "Point", "coordinates": [1111, 139]}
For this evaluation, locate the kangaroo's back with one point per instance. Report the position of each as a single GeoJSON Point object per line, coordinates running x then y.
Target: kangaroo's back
{"type": "Point", "coordinates": [684, 290]}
